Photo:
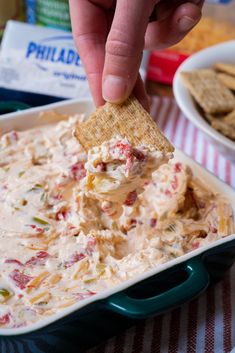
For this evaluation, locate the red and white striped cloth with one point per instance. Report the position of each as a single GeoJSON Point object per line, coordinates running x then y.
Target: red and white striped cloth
{"type": "Point", "coordinates": [206, 324]}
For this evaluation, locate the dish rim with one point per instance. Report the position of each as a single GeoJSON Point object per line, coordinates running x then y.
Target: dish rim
{"type": "Point", "coordinates": [217, 185]}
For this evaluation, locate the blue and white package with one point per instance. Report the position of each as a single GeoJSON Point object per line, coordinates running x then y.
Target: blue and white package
{"type": "Point", "coordinates": [41, 60]}
{"type": "Point", "coordinates": [219, 1]}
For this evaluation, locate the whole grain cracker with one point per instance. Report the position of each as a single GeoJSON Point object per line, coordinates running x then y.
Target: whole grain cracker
{"type": "Point", "coordinates": [230, 119]}
{"type": "Point", "coordinates": [208, 91]}
{"type": "Point", "coordinates": [128, 120]}
{"type": "Point", "coordinates": [211, 117]}
{"type": "Point", "coordinates": [224, 67]}
{"type": "Point", "coordinates": [225, 124]}
{"type": "Point", "coordinates": [227, 80]}
{"type": "Point", "coordinates": [225, 128]}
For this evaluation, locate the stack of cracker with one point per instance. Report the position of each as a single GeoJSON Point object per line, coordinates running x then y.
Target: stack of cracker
{"type": "Point", "coordinates": [214, 92]}
{"type": "Point", "coordinates": [128, 120]}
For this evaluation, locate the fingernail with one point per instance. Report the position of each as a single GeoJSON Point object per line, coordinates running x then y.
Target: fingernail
{"type": "Point", "coordinates": [186, 23]}
{"type": "Point", "coordinates": [114, 89]}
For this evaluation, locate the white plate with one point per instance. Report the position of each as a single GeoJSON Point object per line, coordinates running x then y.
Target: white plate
{"type": "Point", "coordinates": [204, 59]}
{"type": "Point", "coordinates": [27, 119]}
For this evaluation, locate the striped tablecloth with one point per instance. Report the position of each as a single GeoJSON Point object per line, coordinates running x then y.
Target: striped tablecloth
{"type": "Point", "coordinates": [206, 324]}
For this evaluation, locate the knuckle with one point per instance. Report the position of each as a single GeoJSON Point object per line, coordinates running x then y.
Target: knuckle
{"type": "Point", "coordinates": [119, 44]}
{"type": "Point", "coordinates": [115, 47]}
{"type": "Point", "coordinates": [87, 38]}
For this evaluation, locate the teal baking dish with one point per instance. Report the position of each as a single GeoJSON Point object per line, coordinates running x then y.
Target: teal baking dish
{"type": "Point", "coordinates": [163, 288]}
{"type": "Point", "coordinates": [12, 106]}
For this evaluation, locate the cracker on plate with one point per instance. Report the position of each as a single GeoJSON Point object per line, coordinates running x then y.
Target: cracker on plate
{"type": "Point", "coordinates": [225, 125]}
{"type": "Point", "coordinates": [208, 91]}
{"type": "Point", "coordinates": [230, 119]}
{"type": "Point", "coordinates": [225, 128]}
{"type": "Point", "coordinates": [227, 68]}
{"type": "Point", "coordinates": [129, 120]}
{"type": "Point", "coordinates": [227, 80]}
{"type": "Point", "coordinates": [211, 117]}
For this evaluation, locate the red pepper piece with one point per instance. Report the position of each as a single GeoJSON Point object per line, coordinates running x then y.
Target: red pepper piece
{"type": "Point", "coordinates": [62, 215]}
{"type": "Point", "coordinates": [5, 319]}
{"type": "Point", "coordinates": [13, 261]}
{"type": "Point", "coordinates": [20, 278]}
{"type": "Point", "coordinates": [74, 258]}
{"type": "Point", "coordinates": [138, 155]}
{"type": "Point", "coordinates": [133, 222]}
{"type": "Point", "coordinates": [175, 183]}
{"type": "Point", "coordinates": [82, 296]}
{"type": "Point", "coordinates": [14, 136]}
{"type": "Point", "coordinates": [91, 245]}
{"type": "Point", "coordinates": [178, 167]}
{"type": "Point", "coordinates": [131, 198]}
{"type": "Point", "coordinates": [195, 245]}
{"type": "Point", "coordinates": [36, 228]}
{"type": "Point", "coordinates": [38, 259]}
{"type": "Point", "coordinates": [168, 193]}
{"type": "Point", "coordinates": [153, 222]}
{"type": "Point", "coordinates": [101, 167]}
{"type": "Point", "coordinates": [78, 171]}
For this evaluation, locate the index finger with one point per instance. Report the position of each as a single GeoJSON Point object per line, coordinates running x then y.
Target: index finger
{"type": "Point", "coordinates": [124, 48]}
{"type": "Point", "coordinates": [90, 28]}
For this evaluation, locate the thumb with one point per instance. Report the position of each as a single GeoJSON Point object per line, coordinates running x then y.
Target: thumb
{"type": "Point", "coordinates": [124, 48]}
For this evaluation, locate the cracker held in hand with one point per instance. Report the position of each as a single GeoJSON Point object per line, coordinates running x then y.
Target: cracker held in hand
{"type": "Point", "coordinates": [129, 120]}
{"type": "Point", "coordinates": [208, 91]}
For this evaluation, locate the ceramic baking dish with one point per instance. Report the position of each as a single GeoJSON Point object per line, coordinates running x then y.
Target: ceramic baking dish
{"type": "Point", "coordinates": [156, 291]}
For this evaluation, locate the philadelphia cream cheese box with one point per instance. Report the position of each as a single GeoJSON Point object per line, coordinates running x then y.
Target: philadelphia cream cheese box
{"type": "Point", "coordinates": [41, 60]}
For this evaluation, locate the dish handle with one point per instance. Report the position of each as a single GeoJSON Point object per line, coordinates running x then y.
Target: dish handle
{"type": "Point", "coordinates": [12, 106]}
{"type": "Point", "coordinates": [197, 281]}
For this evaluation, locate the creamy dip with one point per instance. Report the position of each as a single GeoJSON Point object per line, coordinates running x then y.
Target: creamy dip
{"type": "Point", "coordinates": [117, 172]}
{"type": "Point", "coordinates": [71, 224]}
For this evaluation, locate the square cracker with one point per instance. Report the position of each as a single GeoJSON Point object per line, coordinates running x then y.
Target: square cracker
{"type": "Point", "coordinates": [230, 119]}
{"type": "Point", "coordinates": [208, 91]}
{"type": "Point", "coordinates": [211, 117]}
{"type": "Point", "coordinates": [227, 80]}
{"type": "Point", "coordinates": [225, 125]}
{"type": "Point", "coordinates": [128, 120]}
{"type": "Point", "coordinates": [227, 68]}
{"type": "Point", "coordinates": [226, 129]}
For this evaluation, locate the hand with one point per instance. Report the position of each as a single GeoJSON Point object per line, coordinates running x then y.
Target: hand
{"type": "Point", "coordinates": [110, 37]}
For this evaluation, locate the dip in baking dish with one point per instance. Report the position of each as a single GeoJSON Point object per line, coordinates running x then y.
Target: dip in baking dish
{"type": "Point", "coordinates": [72, 225]}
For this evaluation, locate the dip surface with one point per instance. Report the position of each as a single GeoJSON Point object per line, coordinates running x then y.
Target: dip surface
{"type": "Point", "coordinates": [59, 239]}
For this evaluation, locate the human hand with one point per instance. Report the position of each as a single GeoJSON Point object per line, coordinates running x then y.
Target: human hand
{"type": "Point", "coordinates": [110, 37]}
